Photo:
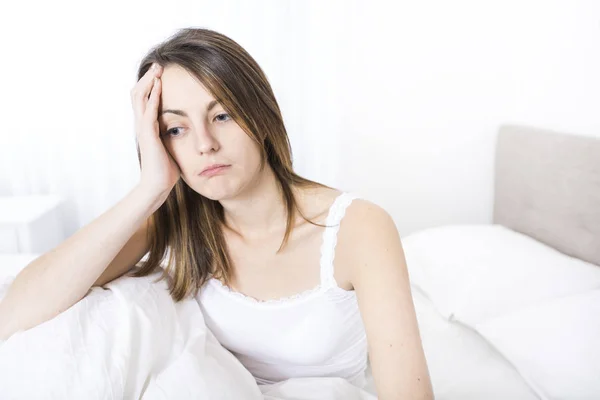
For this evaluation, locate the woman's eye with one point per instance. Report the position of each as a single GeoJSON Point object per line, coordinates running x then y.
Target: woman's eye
{"type": "Point", "coordinates": [172, 132]}
{"type": "Point", "coordinates": [224, 117]}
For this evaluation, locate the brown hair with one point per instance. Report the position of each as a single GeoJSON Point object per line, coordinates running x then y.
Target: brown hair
{"type": "Point", "coordinates": [186, 230]}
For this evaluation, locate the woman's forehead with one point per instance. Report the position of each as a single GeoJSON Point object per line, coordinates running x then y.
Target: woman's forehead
{"type": "Point", "coordinates": [181, 90]}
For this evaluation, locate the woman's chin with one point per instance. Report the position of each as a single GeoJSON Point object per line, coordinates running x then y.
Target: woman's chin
{"type": "Point", "coordinates": [219, 190]}
{"type": "Point", "coordinates": [217, 193]}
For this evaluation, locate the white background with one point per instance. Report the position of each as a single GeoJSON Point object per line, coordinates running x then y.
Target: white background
{"type": "Point", "coordinates": [397, 100]}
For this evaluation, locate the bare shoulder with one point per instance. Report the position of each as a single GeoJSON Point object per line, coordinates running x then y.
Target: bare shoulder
{"type": "Point", "coordinates": [367, 233]}
{"type": "Point", "coordinates": [364, 218]}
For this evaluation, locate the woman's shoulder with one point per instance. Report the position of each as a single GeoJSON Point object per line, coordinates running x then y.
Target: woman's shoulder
{"type": "Point", "coordinates": [364, 228]}
{"type": "Point", "coordinates": [363, 221]}
{"type": "Point", "coordinates": [367, 234]}
{"type": "Point", "coordinates": [364, 224]}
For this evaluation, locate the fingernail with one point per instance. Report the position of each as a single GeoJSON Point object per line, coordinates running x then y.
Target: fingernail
{"type": "Point", "coordinates": [153, 66]}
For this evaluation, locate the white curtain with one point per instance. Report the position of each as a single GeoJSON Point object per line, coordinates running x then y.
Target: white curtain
{"type": "Point", "coordinates": [399, 101]}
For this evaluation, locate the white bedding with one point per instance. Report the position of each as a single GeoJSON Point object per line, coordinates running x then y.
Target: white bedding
{"type": "Point", "coordinates": [536, 306]}
{"type": "Point", "coordinates": [475, 273]}
{"type": "Point", "coordinates": [555, 345]}
{"type": "Point", "coordinates": [152, 346]}
{"type": "Point", "coordinates": [131, 341]}
{"type": "Point", "coordinates": [461, 362]}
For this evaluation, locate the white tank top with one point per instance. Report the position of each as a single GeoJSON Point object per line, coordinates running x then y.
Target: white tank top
{"type": "Point", "coordinates": [317, 333]}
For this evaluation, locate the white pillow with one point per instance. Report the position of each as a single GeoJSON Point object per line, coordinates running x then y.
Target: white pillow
{"type": "Point", "coordinates": [477, 272]}
{"type": "Point", "coordinates": [555, 346]}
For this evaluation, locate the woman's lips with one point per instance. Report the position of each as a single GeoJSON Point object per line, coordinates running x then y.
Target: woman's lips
{"type": "Point", "coordinates": [214, 170]}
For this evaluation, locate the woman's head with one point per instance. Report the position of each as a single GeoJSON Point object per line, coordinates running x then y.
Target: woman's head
{"type": "Point", "coordinates": [217, 107]}
{"type": "Point", "coordinates": [243, 128]}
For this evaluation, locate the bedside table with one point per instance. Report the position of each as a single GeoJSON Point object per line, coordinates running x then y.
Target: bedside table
{"type": "Point", "coordinates": [30, 224]}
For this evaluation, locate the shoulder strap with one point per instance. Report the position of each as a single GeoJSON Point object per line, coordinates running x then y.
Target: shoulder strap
{"type": "Point", "coordinates": [336, 213]}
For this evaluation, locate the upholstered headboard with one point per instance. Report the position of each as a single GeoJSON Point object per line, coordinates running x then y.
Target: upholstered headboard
{"type": "Point", "coordinates": [547, 186]}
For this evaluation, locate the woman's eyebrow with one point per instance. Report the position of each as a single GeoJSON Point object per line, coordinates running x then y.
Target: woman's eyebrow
{"type": "Point", "coordinates": [176, 112]}
{"type": "Point", "coordinates": [183, 113]}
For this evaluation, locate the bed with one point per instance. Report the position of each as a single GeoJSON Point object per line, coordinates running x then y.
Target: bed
{"type": "Point", "coordinates": [510, 310]}
{"type": "Point", "coordinates": [507, 310]}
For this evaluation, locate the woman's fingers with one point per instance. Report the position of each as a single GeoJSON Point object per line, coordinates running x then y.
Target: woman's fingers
{"type": "Point", "coordinates": [152, 106]}
{"type": "Point", "coordinates": [142, 89]}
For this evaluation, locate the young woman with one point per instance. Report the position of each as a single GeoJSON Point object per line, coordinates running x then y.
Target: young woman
{"type": "Point", "coordinates": [295, 278]}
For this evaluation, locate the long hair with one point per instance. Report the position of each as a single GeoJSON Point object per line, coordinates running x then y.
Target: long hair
{"type": "Point", "coordinates": [186, 232]}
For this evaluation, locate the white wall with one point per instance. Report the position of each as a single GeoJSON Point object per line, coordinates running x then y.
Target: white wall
{"type": "Point", "coordinates": [433, 81]}
{"type": "Point", "coordinates": [400, 101]}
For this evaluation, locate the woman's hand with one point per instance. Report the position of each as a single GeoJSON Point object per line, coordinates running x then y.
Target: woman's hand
{"type": "Point", "coordinates": [159, 171]}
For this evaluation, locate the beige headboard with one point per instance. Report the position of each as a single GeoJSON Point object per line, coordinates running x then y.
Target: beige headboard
{"type": "Point", "coordinates": [547, 186]}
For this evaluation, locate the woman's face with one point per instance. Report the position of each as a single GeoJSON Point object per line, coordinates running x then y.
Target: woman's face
{"type": "Point", "coordinates": [199, 133]}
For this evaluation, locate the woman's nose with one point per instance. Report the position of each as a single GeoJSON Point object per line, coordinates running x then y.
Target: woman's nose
{"type": "Point", "coordinates": [205, 142]}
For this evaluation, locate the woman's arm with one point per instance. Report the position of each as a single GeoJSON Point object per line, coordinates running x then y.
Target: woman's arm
{"type": "Point", "coordinates": [380, 278]}
{"type": "Point", "coordinates": [61, 277]}
{"type": "Point", "coordinates": [133, 251]}
{"type": "Point", "coordinates": [93, 255]}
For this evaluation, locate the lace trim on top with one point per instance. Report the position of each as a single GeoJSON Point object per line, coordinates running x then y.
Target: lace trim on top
{"type": "Point", "coordinates": [336, 213]}
{"type": "Point", "coordinates": [286, 299]}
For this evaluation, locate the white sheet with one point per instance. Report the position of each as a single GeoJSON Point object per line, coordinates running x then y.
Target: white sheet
{"type": "Point", "coordinates": [554, 345]}
{"type": "Point", "coordinates": [536, 307]}
{"type": "Point", "coordinates": [462, 364]}
{"type": "Point", "coordinates": [131, 341]}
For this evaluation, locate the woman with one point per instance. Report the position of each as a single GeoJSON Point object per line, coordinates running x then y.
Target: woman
{"type": "Point", "coordinates": [297, 279]}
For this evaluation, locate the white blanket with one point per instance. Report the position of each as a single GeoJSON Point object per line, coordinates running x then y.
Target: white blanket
{"type": "Point", "coordinates": [129, 340]}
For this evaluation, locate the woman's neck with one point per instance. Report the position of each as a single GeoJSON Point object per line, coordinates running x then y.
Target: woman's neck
{"type": "Point", "coordinates": [259, 211]}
